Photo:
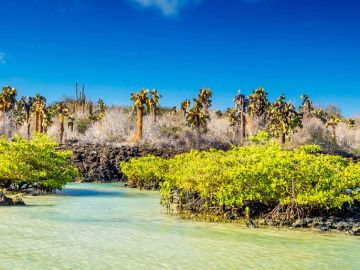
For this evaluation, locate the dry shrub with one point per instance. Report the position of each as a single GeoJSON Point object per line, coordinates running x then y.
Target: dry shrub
{"type": "Point", "coordinates": [254, 124]}
{"type": "Point", "coordinates": [7, 124]}
{"type": "Point", "coordinates": [116, 127]}
{"type": "Point", "coordinates": [312, 132]}
{"type": "Point", "coordinates": [171, 131]}
{"type": "Point", "coordinates": [347, 137]}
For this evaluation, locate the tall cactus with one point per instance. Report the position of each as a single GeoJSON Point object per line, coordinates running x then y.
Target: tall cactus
{"type": "Point", "coordinates": [140, 100]}
{"type": "Point", "coordinates": [283, 118]}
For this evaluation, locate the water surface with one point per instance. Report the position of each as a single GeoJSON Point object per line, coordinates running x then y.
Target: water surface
{"type": "Point", "coordinates": [105, 226]}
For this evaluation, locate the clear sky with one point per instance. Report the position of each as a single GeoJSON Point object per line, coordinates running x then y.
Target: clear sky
{"type": "Point", "coordinates": [118, 46]}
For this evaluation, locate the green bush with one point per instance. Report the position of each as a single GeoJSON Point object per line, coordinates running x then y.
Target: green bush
{"type": "Point", "coordinates": [34, 164]}
{"type": "Point", "coordinates": [146, 172]}
{"type": "Point", "coordinates": [291, 182]}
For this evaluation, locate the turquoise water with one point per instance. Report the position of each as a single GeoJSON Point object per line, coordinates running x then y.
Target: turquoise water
{"type": "Point", "coordinates": [105, 226]}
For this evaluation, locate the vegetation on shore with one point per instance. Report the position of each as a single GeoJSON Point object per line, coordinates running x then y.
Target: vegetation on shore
{"type": "Point", "coordinates": [285, 182]}
{"type": "Point", "coordinates": [263, 179]}
{"type": "Point", "coordinates": [194, 126]}
{"type": "Point", "coordinates": [34, 164]}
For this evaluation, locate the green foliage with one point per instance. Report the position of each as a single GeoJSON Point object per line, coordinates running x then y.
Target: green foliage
{"type": "Point", "coordinates": [283, 118]}
{"type": "Point", "coordinates": [258, 102]}
{"type": "Point", "coordinates": [261, 137]}
{"type": "Point", "coordinates": [146, 172]}
{"type": "Point", "coordinates": [34, 164]}
{"type": "Point", "coordinates": [82, 125]}
{"type": "Point", "coordinates": [306, 104]}
{"type": "Point", "coordinates": [251, 175]}
{"type": "Point", "coordinates": [198, 116]}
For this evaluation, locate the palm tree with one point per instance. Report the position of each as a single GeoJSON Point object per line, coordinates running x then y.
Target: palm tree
{"type": "Point", "coordinates": [283, 118]}
{"type": "Point", "coordinates": [39, 104]}
{"type": "Point", "coordinates": [62, 111]}
{"type": "Point", "coordinates": [306, 105]}
{"type": "Point", "coordinates": [27, 103]}
{"type": "Point", "coordinates": [140, 100]}
{"type": "Point", "coordinates": [153, 103]}
{"type": "Point", "coordinates": [184, 106]}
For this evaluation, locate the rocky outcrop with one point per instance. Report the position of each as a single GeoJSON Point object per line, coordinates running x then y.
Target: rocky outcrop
{"type": "Point", "coordinates": [8, 201]}
{"type": "Point", "coordinates": [324, 224]}
{"type": "Point", "coordinates": [100, 163]}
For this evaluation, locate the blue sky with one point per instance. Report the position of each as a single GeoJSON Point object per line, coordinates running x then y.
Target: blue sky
{"type": "Point", "coordinates": [118, 46]}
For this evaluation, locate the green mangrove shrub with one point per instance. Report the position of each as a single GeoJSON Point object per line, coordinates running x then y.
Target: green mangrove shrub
{"type": "Point", "coordinates": [34, 164]}
{"type": "Point", "coordinates": [146, 172]}
{"type": "Point", "coordinates": [287, 184]}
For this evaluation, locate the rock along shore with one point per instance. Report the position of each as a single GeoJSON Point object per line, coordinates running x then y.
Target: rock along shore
{"type": "Point", "coordinates": [101, 163]}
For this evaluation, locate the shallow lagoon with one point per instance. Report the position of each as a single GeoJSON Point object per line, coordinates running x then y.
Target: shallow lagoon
{"type": "Point", "coordinates": [106, 226]}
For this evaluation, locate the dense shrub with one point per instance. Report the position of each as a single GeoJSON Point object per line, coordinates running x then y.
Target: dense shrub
{"type": "Point", "coordinates": [34, 164]}
{"type": "Point", "coordinates": [290, 183]}
{"type": "Point", "coordinates": [147, 172]}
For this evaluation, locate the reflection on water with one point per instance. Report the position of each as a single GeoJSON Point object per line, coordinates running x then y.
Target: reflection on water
{"type": "Point", "coordinates": [104, 226]}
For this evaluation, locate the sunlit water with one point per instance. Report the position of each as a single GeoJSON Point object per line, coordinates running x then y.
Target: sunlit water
{"type": "Point", "coordinates": [105, 226]}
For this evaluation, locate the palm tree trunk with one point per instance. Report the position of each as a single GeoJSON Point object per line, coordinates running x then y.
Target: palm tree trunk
{"type": "Point", "coordinates": [140, 124]}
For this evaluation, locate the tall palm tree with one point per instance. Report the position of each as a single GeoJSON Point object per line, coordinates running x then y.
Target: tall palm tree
{"type": "Point", "coordinates": [62, 110]}
{"type": "Point", "coordinates": [153, 103]}
{"type": "Point", "coordinates": [283, 118]}
{"type": "Point", "coordinates": [27, 103]}
{"type": "Point", "coordinates": [140, 100]}
{"type": "Point", "coordinates": [184, 106]}
{"type": "Point", "coordinates": [39, 104]}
